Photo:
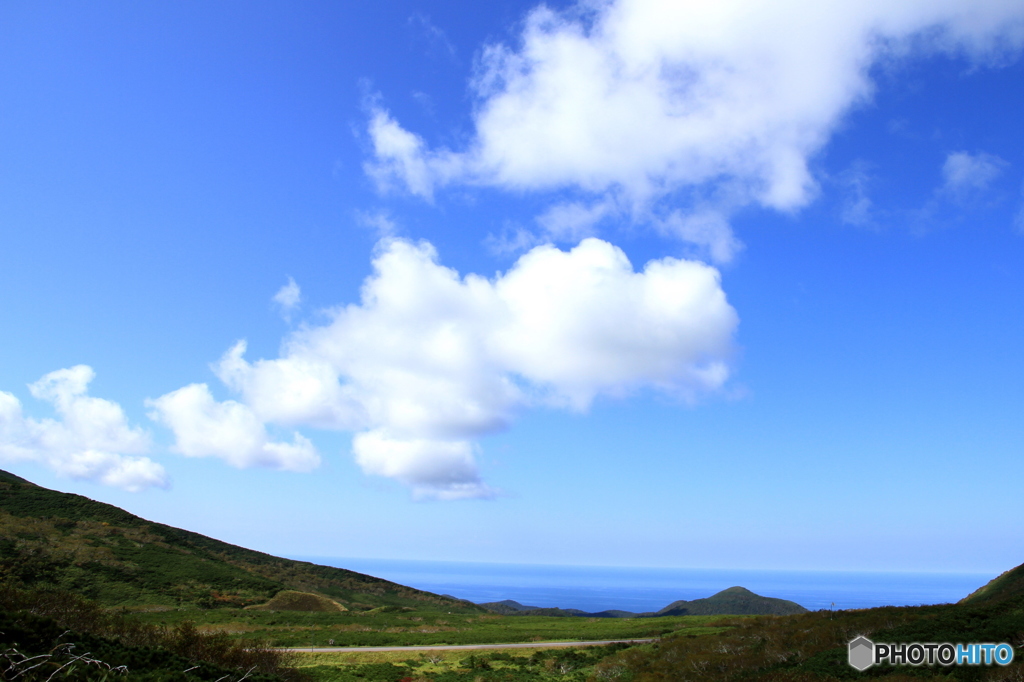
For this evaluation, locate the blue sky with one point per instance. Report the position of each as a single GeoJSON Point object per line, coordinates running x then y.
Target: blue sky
{"type": "Point", "coordinates": [620, 283]}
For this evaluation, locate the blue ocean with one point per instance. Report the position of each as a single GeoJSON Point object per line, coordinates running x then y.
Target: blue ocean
{"type": "Point", "coordinates": [598, 588]}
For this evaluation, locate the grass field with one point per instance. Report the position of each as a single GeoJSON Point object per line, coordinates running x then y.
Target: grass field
{"type": "Point", "coordinates": [453, 666]}
{"type": "Point", "coordinates": [407, 628]}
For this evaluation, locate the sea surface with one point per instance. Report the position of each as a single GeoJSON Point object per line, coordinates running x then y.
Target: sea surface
{"type": "Point", "coordinates": [598, 588]}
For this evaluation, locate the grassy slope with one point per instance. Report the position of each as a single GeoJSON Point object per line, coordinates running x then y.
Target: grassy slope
{"type": "Point", "coordinates": [1008, 586]}
{"type": "Point", "coordinates": [105, 553]}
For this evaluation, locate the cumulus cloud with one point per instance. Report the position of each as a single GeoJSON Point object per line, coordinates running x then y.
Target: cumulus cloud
{"type": "Point", "coordinates": [288, 298]}
{"type": "Point", "coordinates": [965, 174]}
{"type": "Point", "coordinates": [228, 430]}
{"type": "Point", "coordinates": [714, 101]}
{"type": "Point", "coordinates": [429, 360]}
{"type": "Point", "coordinates": [91, 441]}
{"type": "Point", "coordinates": [433, 469]}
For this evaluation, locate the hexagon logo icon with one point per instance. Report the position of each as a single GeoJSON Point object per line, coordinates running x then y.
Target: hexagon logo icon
{"type": "Point", "coordinates": [862, 653]}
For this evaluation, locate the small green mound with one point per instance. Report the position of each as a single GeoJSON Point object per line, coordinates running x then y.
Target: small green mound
{"type": "Point", "coordinates": [290, 600]}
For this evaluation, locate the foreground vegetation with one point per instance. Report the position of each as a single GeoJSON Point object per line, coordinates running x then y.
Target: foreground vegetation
{"type": "Point", "coordinates": [47, 634]}
{"type": "Point", "coordinates": [75, 639]}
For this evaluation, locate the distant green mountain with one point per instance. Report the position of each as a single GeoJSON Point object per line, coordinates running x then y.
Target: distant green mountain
{"type": "Point", "coordinates": [735, 601]}
{"type": "Point", "coordinates": [618, 613]}
{"type": "Point", "coordinates": [507, 607]}
{"type": "Point", "coordinates": [1008, 586]}
{"type": "Point", "coordinates": [551, 611]}
{"type": "Point", "coordinates": [50, 538]}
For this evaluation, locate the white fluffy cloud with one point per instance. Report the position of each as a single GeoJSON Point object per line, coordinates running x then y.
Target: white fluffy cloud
{"type": "Point", "coordinates": [430, 360]}
{"type": "Point", "coordinates": [637, 99]}
{"type": "Point", "coordinates": [92, 439]}
{"type": "Point", "coordinates": [437, 469]}
{"type": "Point", "coordinates": [229, 430]}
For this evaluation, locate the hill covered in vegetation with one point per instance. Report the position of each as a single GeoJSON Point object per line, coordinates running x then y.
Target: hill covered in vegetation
{"type": "Point", "coordinates": [99, 551]}
{"type": "Point", "coordinates": [734, 601]}
{"type": "Point", "coordinates": [1006, 587]}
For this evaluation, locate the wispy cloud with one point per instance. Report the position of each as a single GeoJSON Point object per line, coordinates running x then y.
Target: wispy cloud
{"type": "Point", "coordinates": [513, 239]}
{"type": "Point", "coordinates": [1018, 220]}
{"type": "Point", "coordinates": [857, 207]}
{"type": "Point", "coordinates": [288, 298]}
{"type": "Point", "coordinates": [965, 175]}
{"type": "Point", "coordinates": [573, 221]}
{"type": "Point", "coordinates": [705, 228]}
{"type": "Point", "coordinates": [381, 222]}
{"type": "Point", "coordinates": [436, 39]}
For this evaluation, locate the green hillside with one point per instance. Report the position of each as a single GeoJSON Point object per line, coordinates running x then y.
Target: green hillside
{"type": "Point", "coordinates": [1007, 587]}
{"type": "Point", "coordinates": [54, 539]}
